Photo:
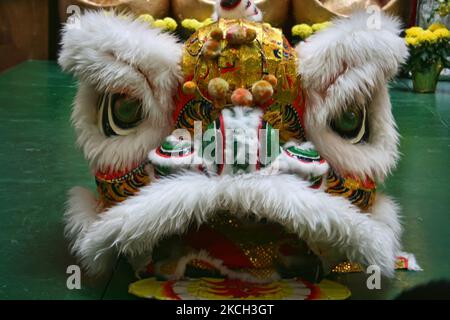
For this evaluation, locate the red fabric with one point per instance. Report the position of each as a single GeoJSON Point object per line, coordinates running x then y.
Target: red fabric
{"type": "Point", "coordinates": [181, 100]}
{"type": "Point", "coordinates": [219, 247]}
{"type": "Point", "coordinates": [413, 17]}
{"type": "Point", "coordinates": [168, 290]}
{"type": "Point", "coordinates": [315, 290]}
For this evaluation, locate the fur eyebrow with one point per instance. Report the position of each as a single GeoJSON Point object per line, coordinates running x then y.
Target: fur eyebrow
{"type": "Point", "coordinates": [327, 86]}
{"type": "Point", "coordinates": [137, 69]}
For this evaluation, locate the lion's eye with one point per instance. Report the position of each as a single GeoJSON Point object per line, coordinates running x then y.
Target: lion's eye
{"type": "Point", "coordinates": [351, 124]}
{"type": "Point", "coordinates": [126, 111]}
{"type": "Point", "coordinates": [119, 114]}
{"type": "Point", "coordinates": [348, 122]}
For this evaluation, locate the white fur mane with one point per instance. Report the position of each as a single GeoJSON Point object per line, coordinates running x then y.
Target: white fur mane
{"type": "Point", "coordinates": [350, 63]}
{"type": "Point", "coordinates": [171, 205]}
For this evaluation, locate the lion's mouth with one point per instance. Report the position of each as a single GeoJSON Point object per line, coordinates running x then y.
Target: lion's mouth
{"type": "Point", "coordinates": [245, 247]}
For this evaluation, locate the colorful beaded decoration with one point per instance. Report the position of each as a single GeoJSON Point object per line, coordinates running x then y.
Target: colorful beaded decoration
{"type": "Point", "coordinates": [114, 188]}
{"type": "Point", "coordinates": [360, 193]}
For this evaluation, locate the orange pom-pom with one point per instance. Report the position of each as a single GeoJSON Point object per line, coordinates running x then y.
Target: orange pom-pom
{"type": "Point", "coordinates": [271, 79]}
{"type": "Point", "coordinates": [236, 35]}
{"type": "Point", "coordinates": [242, 97]}
{"type": "Point", "coordinates": [250, 35]}
{"type": "Point", "coordinates": [189, 87]}
{"type": "Point", "coordinates": [218, 88]}
{"type": "Point", "coordinates": [262, 91]}
{"type": "Point", "coordinates": [211, 49]}
{"type": "Point", "coordinates": [217, 34]}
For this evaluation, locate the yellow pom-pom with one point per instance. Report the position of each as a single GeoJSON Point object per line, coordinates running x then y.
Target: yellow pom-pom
{"type": "Point", "coordinates": [242, 97]}
{"type": "Point", "coordinates": [302, 30]}
{"type": "Point", "coordinates": [262, 91]}
{"type": "Point", "coordinates": [414, 31]}
{"type": "Point", "coordinates": [436, 26]}
{"type": "Point", "coordinates": [189, 87]}
{"type": "Point", "coordinates": [218, 88]}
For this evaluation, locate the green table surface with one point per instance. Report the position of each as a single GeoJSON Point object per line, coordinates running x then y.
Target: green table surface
{"type": "Point", "coordinates": [39, 163]}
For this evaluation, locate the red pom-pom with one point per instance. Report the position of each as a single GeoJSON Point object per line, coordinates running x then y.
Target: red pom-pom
{"type": "Point", "coordinates": [242, 97]}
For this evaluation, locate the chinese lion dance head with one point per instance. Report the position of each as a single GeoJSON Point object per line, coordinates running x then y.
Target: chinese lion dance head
{"type": "Point", "coordinates": [234, 154]}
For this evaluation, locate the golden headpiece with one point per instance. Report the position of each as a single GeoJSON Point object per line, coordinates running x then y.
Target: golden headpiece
{"type": "Point", "coordinates": [238, 62]}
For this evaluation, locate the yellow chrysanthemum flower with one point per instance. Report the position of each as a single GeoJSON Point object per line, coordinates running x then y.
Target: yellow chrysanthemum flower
{"type": "Point", "coordinates": [167, 24]}
{"type": "Point", "coordinates": [207, 22]}
{"type": "Point", "coordinates": [320, 26]}
{"type": "Point", "coordinates": [302, 30]}
{"type": "Point", "coordinates": [444, 10]}
{"type": "Point", "coordinates": [146, 18]}
{"type": "Point", "coordinates": [427, 36]}
{"type": "Point", "coordinates": [412, 41]}
{"type": "Point", "coordinates": [171, 24]}
{"type": "Point", "coordinates": [436, 26]}
{"type": "Point", "coordinates": [414, 31]}
{"type": "Point", "coordinates": [191, 24]}
{"type": "Point", "coordinates": [159, 24]}
{"type": "Point", "coordinates": [442, 33]}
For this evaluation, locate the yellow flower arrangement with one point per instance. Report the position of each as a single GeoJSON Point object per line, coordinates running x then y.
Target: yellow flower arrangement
{"type": "Point", "coordinates": [417, 36]}
{"type": "Point", "coordinates": [207, 21]}
{"type": "Point", "coordinates": [444, 8]}
{"type": "Point", "coordinates": [427, 36]}
{"type": "Point", "coordinates": [166, 24]}
{"type": "Point", "coordinates": [414, 31]}
{"type": "Point", "coordinates": [412, 41]}
{"type": "Point", "coordinates": [171, 24]}
{"type": "Point", "coordinates": [442, 33]}
{"type": "Point", "coordinates": [437, 26]}
{"type": "Point", "coordinates": [194, 24]}
{"type": "Point", "coordinates": [146, 18]}
{"type": "Point", "coordinates": [302, 30]}
{"type": "Point", "coordinates": [320, 26]}
{"type": "Point", "coordinates": [428, 47]}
